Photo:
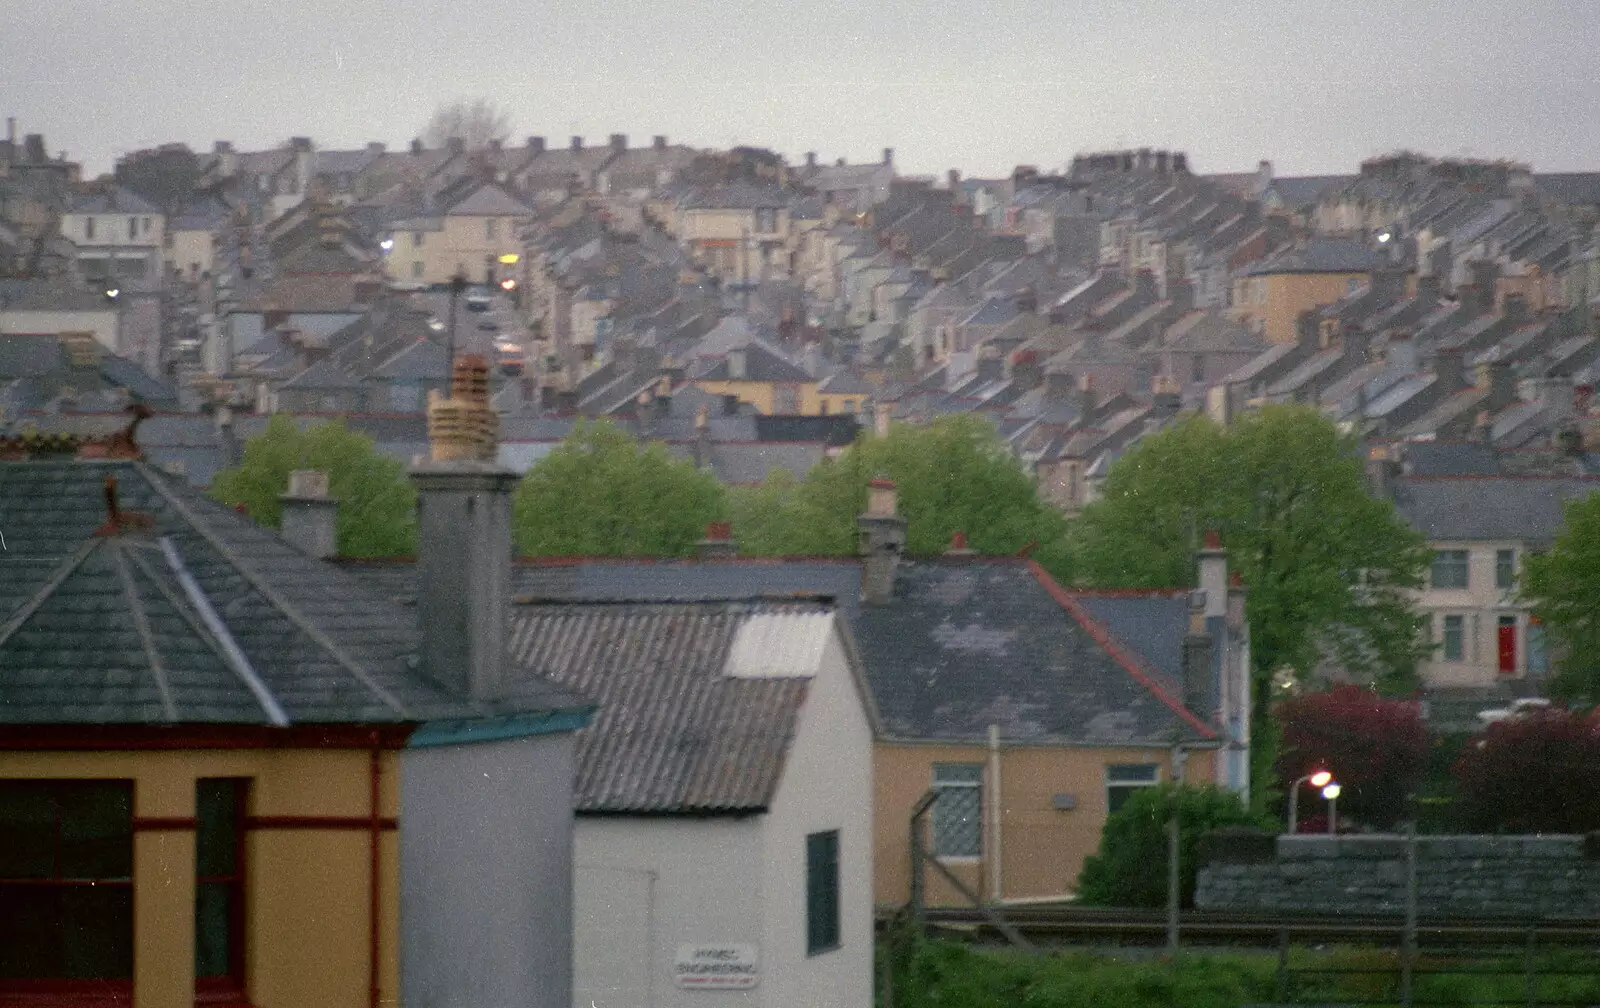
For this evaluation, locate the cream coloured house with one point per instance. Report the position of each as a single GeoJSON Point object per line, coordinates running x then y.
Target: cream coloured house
{"type": "Point", "coordinates": [468, 230]}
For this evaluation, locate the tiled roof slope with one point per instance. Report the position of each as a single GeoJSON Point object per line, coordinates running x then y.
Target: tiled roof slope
{"type": "Point", "coordinates": [675, 733]}
{"type": "Point", "coordinates": [966, 644]}
{"type": "Point", "coordinates": [1485, 508]}
{"type": "Point", "coordinates": [122, 628]}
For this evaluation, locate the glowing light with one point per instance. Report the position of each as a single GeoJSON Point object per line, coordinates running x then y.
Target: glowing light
{"type": "Point", "coordinates": [1384, 237]}
{"type": "Point", "coordinates": [510, 258]}
{"type": "Point", "coordinates": [1331, 791]}
{"type": "Point", "coordinates": [1321, 778]}
{"type": "Point", "coordinates": [112, 292]}
{"type": "Point", "coordinates": [386, 244]}
{"type": "Point", "coordinates": [508, 284]}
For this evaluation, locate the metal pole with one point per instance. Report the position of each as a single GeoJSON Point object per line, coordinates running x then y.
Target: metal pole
{"type": "Point", "coordinates": [1172, 880]}
{"type": "Point", "coordinates": [1333, 814]}
{"type": "Point", "coordinates": [1408, 938]}
{"type": "Point", "coordinates": [458, 283]}
{"type": "Point", "coordinates": [1294, 805]}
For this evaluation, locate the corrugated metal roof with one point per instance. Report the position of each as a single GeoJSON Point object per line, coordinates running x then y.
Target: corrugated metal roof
{"type": "Point", "coordinates": [683, 728]}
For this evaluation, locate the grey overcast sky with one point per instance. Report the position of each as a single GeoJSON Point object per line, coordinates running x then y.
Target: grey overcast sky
{"type": "Point", "coordinates": [979, 86]}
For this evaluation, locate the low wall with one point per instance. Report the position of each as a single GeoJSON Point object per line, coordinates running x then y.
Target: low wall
{"type": "Point", "coordinates": [1457, 876]}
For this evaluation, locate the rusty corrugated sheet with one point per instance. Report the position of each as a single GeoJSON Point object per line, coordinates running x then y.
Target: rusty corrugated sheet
{"type": "Point", "coordinates": [679, 730]}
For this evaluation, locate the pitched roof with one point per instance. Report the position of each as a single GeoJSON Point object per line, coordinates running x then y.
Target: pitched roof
{"type": "Point", "coordinates": [698, 701]}
{"type": "Point", "coordinates": [117, 199]}
{"type": "Point", "coordinates": [205, 618]}
{"type": "Point", "coordinates": [966, 644]}
{"type": "Point", "coordinates": [489, 200]}
{"type": "Point", "coordinates": [761, 365]}
{"type": "Point", "coordinates": [1320, 255]}
{"type": "Point", "coordinates": [1478, 508]}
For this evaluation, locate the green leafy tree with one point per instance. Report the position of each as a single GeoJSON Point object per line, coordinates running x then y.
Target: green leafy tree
{"type": "Point", "coordinates": [1327, 564]}
{"type": "Point", "coordinates": [601, 493]}
{"type": "Point", "coordinates": [377, 504]}
{"type": "Point", "coordinates": [1564, 586]}
{"type": "Point", "coordinates": [952, 475]}
{"type": "Point", "coordinates": [1129, 869]}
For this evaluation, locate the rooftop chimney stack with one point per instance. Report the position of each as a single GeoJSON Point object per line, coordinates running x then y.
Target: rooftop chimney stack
{"type": "Point", "coordinates": [619, 142]}
{"type": "Point", "coordinates": [882, 537]}
{"type": "Point", "coordinates": [659, 143]}
{"type": "Point", "coordinates": [464, 540]}
{"type": "Point", "coordinates": [888, 156]}
{"type": "Point", "coordinates": [536, 145]}
{"type": "Point", "coordinates": [577, 145]}
{"type": "Point", "coordinates": [882, 413]}
{"type": "Point", "coordinates": [718, 543]}
{"type": "Point", "coordinates": [958, 545]}
{"type": "Point", "coordinates": [738, 363]}
{"type": "Point", "coordinates": [309, 517]}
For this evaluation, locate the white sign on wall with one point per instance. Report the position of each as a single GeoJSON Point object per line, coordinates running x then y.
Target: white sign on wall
{"type": "Point", "coordinates": [716, 967]}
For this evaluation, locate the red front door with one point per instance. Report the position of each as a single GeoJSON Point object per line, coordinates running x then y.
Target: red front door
{"type": "Point", "coordinates": [1506, 644]}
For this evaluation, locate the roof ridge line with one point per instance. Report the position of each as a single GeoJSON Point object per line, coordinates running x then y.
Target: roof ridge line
{"type": "Point", "coordinates": [272, 595]}
{"type": "Point", "coordinates": [232, 653]}
{"type": "Point", "coordinates": [141, 623]}
{"type": "Point", "coordinates": [42, 595]}
{"type": "Point", "coordinates": [1124, 656]}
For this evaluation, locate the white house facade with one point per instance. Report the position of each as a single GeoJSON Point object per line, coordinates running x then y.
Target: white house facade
{"type": "Point", "coordinates": [723, 850]}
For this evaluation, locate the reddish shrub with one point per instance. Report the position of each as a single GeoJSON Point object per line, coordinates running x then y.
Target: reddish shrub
{"type": "Point", "coordinates": [1375, 746]}
{"type": "Point", "coordinates": [1536, 773]}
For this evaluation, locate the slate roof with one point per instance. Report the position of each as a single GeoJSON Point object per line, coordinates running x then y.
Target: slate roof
{"type": "Point", "coordinates": [1320, 255]}
{"type": "Point", "coordinates": [489, 200]}
{"type": "Point", "coordinates": [837, 430]}
{"type": "Point", "coordinates": [966, 644]}
{"type": "Point", "coordinates": [118, 199]}
{"type": "Point", "coordinates": [679, 731]}
{"type": "Point", "coordinates": [1487, 508]}
{"type": "Point", "coordinates": [761, 365]}
{"type": "Point", "coordinates": [1450, 458]}
{"type": "Point", "coordinates": [124, 628]}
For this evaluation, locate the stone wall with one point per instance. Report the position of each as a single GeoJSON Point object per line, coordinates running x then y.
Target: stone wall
{"type": "Point", "coordinates": [1457, 876]}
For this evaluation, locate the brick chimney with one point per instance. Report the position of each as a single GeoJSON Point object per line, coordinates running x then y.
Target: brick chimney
{"type": "Point", "coordinates": [577, 145]}
{"type": "Point", "coordinates": [881, 537]}
{"type": "Point", "coordinates": [309, 517]}
{"type": "Point", "coordinates": [536, 145]}
{"type": "Point", "coordinates": [464, 540]}
{"type": "Point", "coordinates": [718, 543]}
{"type": "Point", "coordinates": [958, 545]}
{"type": "Point", "coordinates": [619, 142]}
{"type": "Point", "coordinates": [658, 143]}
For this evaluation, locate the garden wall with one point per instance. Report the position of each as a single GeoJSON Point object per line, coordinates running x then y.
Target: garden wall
{"type": "Point", "coordinates": [1457, 876]}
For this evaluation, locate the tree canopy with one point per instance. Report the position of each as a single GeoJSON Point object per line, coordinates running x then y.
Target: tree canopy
{"type": "Point", "coordinates": [1327, 565]}
{"type": "Point", "coordinates": [166, 175]}
{"type": "Point", "coordinates": [1128, 869]}
{"type": "Point", "coordinates": [601, 493]}
{"type": "Point", "coordinates": [1564, 586]}
{"type": "Point", "coordinates": [952, 475]}
{"type": "Point", "coordinates": [1537, 772]}
{"type": "Point", "coordinates": [1376, 747]}
{"type": "Point", "coordinates": [377, 504]}
{"type": "Point", "coordinates": [473, 121]}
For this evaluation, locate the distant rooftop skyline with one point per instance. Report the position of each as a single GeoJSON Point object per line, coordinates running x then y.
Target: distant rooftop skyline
{"type": "Point", "coordinates": [976, 87]}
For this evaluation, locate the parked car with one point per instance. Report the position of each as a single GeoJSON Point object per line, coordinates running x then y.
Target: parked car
{"type": "Point", "coordinates": [488, 326]}
{"type": "Point", "coordinates": [479, 301]}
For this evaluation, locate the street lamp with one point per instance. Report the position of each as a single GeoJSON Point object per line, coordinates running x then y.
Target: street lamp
{"type": "Point", "coordinates": [1331, 792]}
{"type": "Point", "coordinates": [1316, 778]}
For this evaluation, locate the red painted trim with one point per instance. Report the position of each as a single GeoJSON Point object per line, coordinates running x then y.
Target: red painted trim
{"type": "Point", "coordinates": [308, 822]}
{"type": "Point", "coordinates": [78, 738]}
{"type": "Point", "coordinates": [1130, 662]}
{"type": "Point", "coordinates": [158, 824]}
{"type": "Point", "coordinates": [66, 994]}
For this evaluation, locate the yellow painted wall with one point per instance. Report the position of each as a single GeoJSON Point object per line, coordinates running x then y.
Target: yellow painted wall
{"type": "Point", "coordinates": [307, 890]}
{"type": "Point", "coordinates": [812, 400]}
{"type": "Point", "coordinates": [763, 395]}
{"type": "Point", "coordinates": [1042, 848]}
{"type": "Point", "coordinates": [1284, 296]}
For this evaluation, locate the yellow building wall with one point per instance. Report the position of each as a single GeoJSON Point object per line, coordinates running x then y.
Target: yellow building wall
{"type": "Point", "coordinates": [1042, 848]}
{"type": "Point", "coordinates": [307, 890]}
{"type": "Point", "coordinates": [764, 395]}
{"type": "Point", "coordinates": [812, 401]}
{"type": "Point", "coordinates": [1285, 296]}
